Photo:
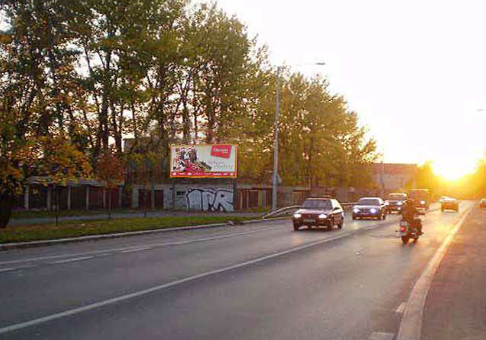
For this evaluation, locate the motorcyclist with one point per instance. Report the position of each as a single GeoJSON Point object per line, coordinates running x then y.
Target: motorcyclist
{"type": "Point", "coordinates": [409, 213]}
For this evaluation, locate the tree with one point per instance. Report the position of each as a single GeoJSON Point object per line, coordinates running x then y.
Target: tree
{"type": "Point", "coordinates": [35, 87]}
{"type": "Point", "coordinates": [110, 170]}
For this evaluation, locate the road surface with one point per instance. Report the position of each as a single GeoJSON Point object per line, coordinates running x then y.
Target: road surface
{"type": "Point", "coordinates": [261, 281]}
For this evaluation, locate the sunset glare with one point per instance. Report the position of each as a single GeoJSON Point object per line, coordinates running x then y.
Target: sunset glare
{"type": "Point", "coordinates": [453, 169]}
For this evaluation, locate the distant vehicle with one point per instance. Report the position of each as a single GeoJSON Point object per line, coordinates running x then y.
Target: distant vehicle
{"type": "Point", "coordinates": [370, 207]}
{"type": "Point", "coordinates": [443, 198]}
{"type": "Point", "coordinates": [482, 203]}
{"type": "Point", "coordinates": [316, 212]}
{"type": "Point", "coordinates": [449, 203]}
{"type": "Point", "coordinates": [421, 198]}
{"type": "Point", "coordinates": [395, 202]}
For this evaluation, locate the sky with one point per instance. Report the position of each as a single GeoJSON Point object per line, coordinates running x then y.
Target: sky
{"type": "Point", "coordinates": [414, 70]}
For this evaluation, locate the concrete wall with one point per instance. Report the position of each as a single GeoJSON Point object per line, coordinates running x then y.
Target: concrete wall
{"type": "Point", "coordinates": [202, 197]}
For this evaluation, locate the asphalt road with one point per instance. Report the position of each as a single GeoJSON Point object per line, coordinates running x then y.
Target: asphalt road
{"type": "Point", "coordinates": [260, 281]}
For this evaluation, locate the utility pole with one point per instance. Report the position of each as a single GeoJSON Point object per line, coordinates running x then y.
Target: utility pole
{"type": "Point", "coordinates": [275, 145]}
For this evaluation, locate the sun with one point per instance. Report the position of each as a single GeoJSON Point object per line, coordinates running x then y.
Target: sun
{"type": "Point", "coordinates": [453, 169]}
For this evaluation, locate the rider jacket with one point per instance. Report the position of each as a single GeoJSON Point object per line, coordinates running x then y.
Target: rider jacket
{"type": "Point", "coordinates": [409, 213]}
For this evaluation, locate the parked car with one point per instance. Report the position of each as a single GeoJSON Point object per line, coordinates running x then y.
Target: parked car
{"type": "Point", "coordinates": [482, 203]}
{"type": "Point", "coordinates": [370, 207]}
{"type": "Point", "coordinates": [449, 204]}
{"type": "Point", "coordinates": [317, 212]}
{"type": "Point", "coordinates": [395, 202]}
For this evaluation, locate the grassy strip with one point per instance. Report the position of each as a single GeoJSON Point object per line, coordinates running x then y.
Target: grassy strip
{"type": "Point", "coordinates": [86, 228]}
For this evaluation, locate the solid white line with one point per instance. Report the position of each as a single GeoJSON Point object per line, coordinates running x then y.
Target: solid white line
{"type": "Point", "coordinates": [138, 246]}
{"type": "Point", "coordinates": [381, 336]}
{"type": "Point", "coordinates": [41, 320]}
{"type": "Point", "coordinates": [401, 308]}
{"type": "Point", "coordinates": [135, 250]}
{"type": "Point", "coordinates": [411, 325]}
{"type": "Point", "coordinates": [73, 260]}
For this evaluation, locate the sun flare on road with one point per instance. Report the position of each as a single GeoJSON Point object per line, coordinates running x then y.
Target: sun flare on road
{"type": "Point", "coordinates": [453, 169]}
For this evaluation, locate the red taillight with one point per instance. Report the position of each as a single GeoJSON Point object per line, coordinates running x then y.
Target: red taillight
{"type": "Point", "coordinates": [403, 229]}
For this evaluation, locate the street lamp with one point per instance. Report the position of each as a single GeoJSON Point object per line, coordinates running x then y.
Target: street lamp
{"type": "Point", "coordinates": [275, 146]}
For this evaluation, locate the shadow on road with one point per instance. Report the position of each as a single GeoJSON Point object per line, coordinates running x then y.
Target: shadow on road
{"type": "Point", "coordinates": [318, 230]}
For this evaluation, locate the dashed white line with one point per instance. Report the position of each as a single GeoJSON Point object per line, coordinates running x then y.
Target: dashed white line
{"type": "Point", "coordinates": [7, 270]}
{"type": "Point", "coordinates": [100, 304]}
{"type": "Point", "coordinates": [74, 260]}
{"type": "Point", "coordinates": [4, 270]}
{"type": "Point", "coordinates": [136, 250]}
{"type": "Point", "coordinates": [102, 252]}
{"type": "Point", "coordinates": [401, 308]}
{"type": "Point", "coordinates": [381, 336]}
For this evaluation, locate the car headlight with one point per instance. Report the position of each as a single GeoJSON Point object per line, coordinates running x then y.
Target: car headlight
{"type": "Point", "coordinates": [356, 211]}
{"type": "Point", "coordinates": [322, 216]}
{"type": "Point", "coordinates": [422, 202]}
{"type": "Point", "coordinates": [400, 203]}
{"type": "Point", "coordinates": [297, 215]}
{"type": "Point", "coordinates": [373, 211]}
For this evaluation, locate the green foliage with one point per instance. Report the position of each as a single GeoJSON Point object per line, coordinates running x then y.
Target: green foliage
{"type": "Point", "coordinates": [79, 76]}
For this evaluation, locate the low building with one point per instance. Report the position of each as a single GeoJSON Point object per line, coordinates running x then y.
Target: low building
{"type": "Point", "coordinates": [393, 177]}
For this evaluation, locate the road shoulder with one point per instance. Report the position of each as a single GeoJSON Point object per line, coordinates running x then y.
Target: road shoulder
{"type": "Point", "coordinates": [456, 302]}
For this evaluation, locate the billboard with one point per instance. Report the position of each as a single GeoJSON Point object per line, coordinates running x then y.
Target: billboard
{"type": "Point", "coordinates": [203, 161]}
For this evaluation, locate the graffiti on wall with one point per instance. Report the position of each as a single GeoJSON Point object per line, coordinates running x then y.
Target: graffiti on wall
{"type": "Point", "coordinates": [206, 199]}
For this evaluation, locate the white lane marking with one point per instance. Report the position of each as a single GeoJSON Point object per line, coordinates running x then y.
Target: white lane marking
{"type": "Point", "coordinates": [101, 252]}
{"type": "Point", "coordinates": [73, 260]}
{"type": "Point", "coordinates": [100, 304]}
{"type": "Point", "coordinates": [381, 336]}
{"type": "Point", "coordinates": [401, 308]}
{"type": "Point", "coordinates": [7, 270]}
{"type": "Point", "coordinates": [4, 270]}
{"type": "Point", "coordinates": [411, 325]}
{"type": "Point", "coordinates": [135, 250]}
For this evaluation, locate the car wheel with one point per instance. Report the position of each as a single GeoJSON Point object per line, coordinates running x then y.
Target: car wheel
{"type": "Point", "coordinates": [296, 227]}
{"type": "Point", "coordinates": [384, 216]}
{"type": "Point", "coordinates": [354, 218]}
{"type": "Point", "coordinates": [341, 224]}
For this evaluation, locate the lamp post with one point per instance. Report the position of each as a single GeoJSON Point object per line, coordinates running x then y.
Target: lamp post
{"type": "Point", "coordinates": [275, 145]}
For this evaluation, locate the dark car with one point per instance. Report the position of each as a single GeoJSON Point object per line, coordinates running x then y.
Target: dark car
{"type": "Point", "coordinates": [370, 207]}
{"type": "Point", "coordinates": [395, 202]}
{"type": "Point", "coordinates": [421, 198]}
{"type": "Point", "coordinates": [449, 203]}
{"type": "Point", "coordinates": [317, 212]}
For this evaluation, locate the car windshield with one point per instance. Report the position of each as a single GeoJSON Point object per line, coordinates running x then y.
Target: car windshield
{"type": "Point", "coordinates": [369, 201]}
{"type": "Point", "coordinates": [317, 204]}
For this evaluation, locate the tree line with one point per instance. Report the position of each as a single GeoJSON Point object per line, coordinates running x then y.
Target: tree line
{"type": "Point", "coordinates": [77, 77]}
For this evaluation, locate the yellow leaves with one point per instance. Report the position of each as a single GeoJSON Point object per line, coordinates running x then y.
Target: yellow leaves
{"type": "Point", "coordinates": [110, 168]}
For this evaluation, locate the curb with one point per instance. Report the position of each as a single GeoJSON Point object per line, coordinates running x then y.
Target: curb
{"type": "Point", "coordinates": [32, 244]}
{"type": "Point", "coordinates": [411, 324]}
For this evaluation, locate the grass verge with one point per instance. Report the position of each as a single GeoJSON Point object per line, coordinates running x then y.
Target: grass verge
{"type": "Point", "coordinates": [87, 228]}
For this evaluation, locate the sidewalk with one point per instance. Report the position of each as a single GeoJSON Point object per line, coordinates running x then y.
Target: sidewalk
{"type": "Point", "coordinates": [456, 302]}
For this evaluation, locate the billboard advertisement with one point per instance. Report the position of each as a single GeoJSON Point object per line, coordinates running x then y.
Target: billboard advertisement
{"type": "Point", "coordinates": [203, 161]}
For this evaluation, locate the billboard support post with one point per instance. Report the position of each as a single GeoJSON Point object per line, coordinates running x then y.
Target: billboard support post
{"type": "Point", "coordinates": [235, 194]}
{"type": "Point", "coordinates": [173, 194]}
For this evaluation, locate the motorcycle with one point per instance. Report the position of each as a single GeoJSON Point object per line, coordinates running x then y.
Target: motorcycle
{"type": "Point", "coordinates": [410, 231]}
